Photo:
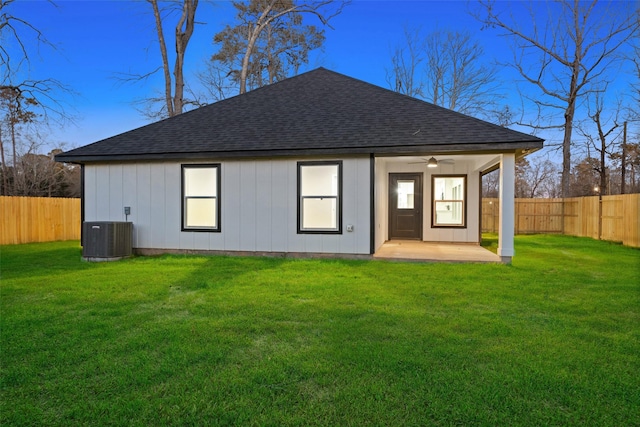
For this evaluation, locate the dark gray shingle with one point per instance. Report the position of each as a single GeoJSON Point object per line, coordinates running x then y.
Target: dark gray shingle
{"type": "Point", "coordinates": [318, 112]}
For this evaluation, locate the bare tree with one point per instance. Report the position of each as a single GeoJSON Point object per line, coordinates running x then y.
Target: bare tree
{"type": "Point", "coordinates": [12, 29]}
{"type": "Point", "coordinates": [39, 175]}
{"type": "Point", "coordinates": [634, 57]}
{"type": "Point", "coordinates": [174, 87]}
{"type": "Point", "coordinates": [15, 108]}
{"type": "Point", "coordinates": [217, 82]}
{"type": "Point", "coordinates": [447, 68]}
{"type": "Point", "coordinates": [457, 77]}
{"type": "Point", "coordinates": [536, 178]}
{"type": "Point", "coordinates": [407, 64]}
{"type": "Point", "coordinates": [585, 178]}
{"type": "Point", "coordinates": [632, 152]}
{"type": "Point", "coordinates": [491, 184]}
{"type": "Point", "coordinates": [27, 104]}
{"type": "Point", "coordinates": [575, 45]}
{"type": "Point", "coordinates": [605, 126]}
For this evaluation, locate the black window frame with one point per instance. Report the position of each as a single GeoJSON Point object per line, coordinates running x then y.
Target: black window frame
{"type": "Point", "coordinates": [218, 168]}
{"type": "Point", "coordinates": [338, 198]}
{"type": "Point", "coordinates": [434, 200]}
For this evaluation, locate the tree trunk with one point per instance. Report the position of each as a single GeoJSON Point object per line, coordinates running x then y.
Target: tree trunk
{"type": "Point", "coordinates": [623, 166]}
{"type": "Point", "coordinates": [244, 71]}
{"type": "Point", "coordinates": [182, 39]}
{"type": "Point", "coordinates": [569, 115]}
{"type": "Point", "coordinates": [17, 177]}
{"type": "Point", "coordinates": [603, 151]}
{"type": "Point", "coordinates": [5, 180]}
{"type": "Point", "coordinates": [566, 149]}
{"type": "Point", "coordinates": [165, 59]}
{"type": "Point", "coordinates": [603, 170]}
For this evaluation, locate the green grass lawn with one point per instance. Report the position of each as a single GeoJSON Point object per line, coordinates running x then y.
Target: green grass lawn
{"type": "Point", "coordinates": [553, 339]}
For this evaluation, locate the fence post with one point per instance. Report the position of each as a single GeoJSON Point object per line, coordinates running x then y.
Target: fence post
{"type": "Point", "coordinates": [599, 215]}
{"type": "Point", "coordinates": [563, 217]}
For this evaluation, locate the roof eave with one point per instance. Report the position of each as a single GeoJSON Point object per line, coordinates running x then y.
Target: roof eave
{"type": "Point", "coordinates": [406, 150]}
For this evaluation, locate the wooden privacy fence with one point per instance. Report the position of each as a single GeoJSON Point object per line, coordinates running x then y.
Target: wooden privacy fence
{"type": "Point", "coordinates": [615, 218]}
{"type": "Point", "coordinates": [38, 219]}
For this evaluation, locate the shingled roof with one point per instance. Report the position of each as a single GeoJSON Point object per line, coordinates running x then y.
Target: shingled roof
{"type": "Point", "coordinates": [319, 112]}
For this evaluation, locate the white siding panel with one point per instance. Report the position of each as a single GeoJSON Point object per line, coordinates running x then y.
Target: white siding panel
{"type": "Point", "coordinates": [186, 240]}
{"type": "Point", "coordinates": [230, 200]}
{"type": "Point", "coordinates": [102, 193]}
{"type": "Point", "coordinates": [173, 205]}
{"type": "Point", "coordinates": [248, 206]}
{"type": "Point", "coordinates": [129, 189]}
{"type": "Point", "coordinates": [158, 203]}
{"type": "Point", "coordinates": [201, 241]}
{"type": "Point", "coordinates": [280, 212]}
{"type": "Point", "coordinates": [116, 188]}
{"type": "Point", "coordinates": [129, 197]}
{"type": "Point", "coordinates": [264, 206]}
{"type": "Point", "coordinates": [349, 204]}
{"type": "Point", "coordinates": [90, 193]}
{"type": "Point", "coordinates": [295, 241]}
{"type": "Point", "coordinates": [363, 196]}
{"type": "Point", "coordinates": [330, 244]}
{"type": "Point", "coordinates": [142, 228]}
{"type": "Point", "coordinates": [312, 242]}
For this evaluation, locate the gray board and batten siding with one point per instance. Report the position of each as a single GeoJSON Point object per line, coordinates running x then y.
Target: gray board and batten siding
{"type": "Point", "coordinates": [258, 206]}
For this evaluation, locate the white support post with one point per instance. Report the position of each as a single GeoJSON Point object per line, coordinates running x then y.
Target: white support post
{"type": "Point", "coordinates": [507, 207]}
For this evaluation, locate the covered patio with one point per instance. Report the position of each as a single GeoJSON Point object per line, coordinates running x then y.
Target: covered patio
{"type": "Point", "coordinates": [417, 226]}
{"type": "Point", "coordinates": [418, 251]}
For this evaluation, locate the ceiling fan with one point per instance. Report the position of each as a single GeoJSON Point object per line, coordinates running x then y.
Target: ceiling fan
{"type": "Point", "coordinates": [433, 162]}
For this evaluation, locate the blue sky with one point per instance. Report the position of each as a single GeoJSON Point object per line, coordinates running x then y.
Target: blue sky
{"type": "Point", "coordinates": [97, 40]}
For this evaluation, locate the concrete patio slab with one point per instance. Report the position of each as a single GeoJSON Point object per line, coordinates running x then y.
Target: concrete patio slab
{"type": "Point", "coordinates": [411, 250]}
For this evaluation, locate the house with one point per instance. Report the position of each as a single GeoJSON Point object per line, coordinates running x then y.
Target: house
{"type": "Point", "coordinates": [320, 163]}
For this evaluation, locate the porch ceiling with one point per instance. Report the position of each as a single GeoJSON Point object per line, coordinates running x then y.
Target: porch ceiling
{"type": "Point", "coordinates": [479, 161]}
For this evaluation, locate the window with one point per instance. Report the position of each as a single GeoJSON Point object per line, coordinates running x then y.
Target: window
{"type": "Point", "coordinates": [320, 197]}
{"type": "Point", "coordinates": [201, 197]}
{"type": "Point", "coordinates": [449, 195]}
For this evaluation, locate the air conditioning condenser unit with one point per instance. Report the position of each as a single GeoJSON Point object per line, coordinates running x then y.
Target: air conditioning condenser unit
{"type": "Point", "coordinates": [107, 241]}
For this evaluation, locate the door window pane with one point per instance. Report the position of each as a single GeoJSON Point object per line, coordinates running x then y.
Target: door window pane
{"type": "Point", "coordinates": [405, 194]}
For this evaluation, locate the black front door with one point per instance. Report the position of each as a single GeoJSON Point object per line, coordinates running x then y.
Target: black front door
{"type": "Point", "coordinates": [405, 206]}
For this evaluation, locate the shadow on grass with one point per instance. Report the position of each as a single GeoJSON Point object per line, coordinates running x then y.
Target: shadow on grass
{"type": "Point", "coordinates": [489, 241]}
{"type": "Point", "coordinates": [40, 259]}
